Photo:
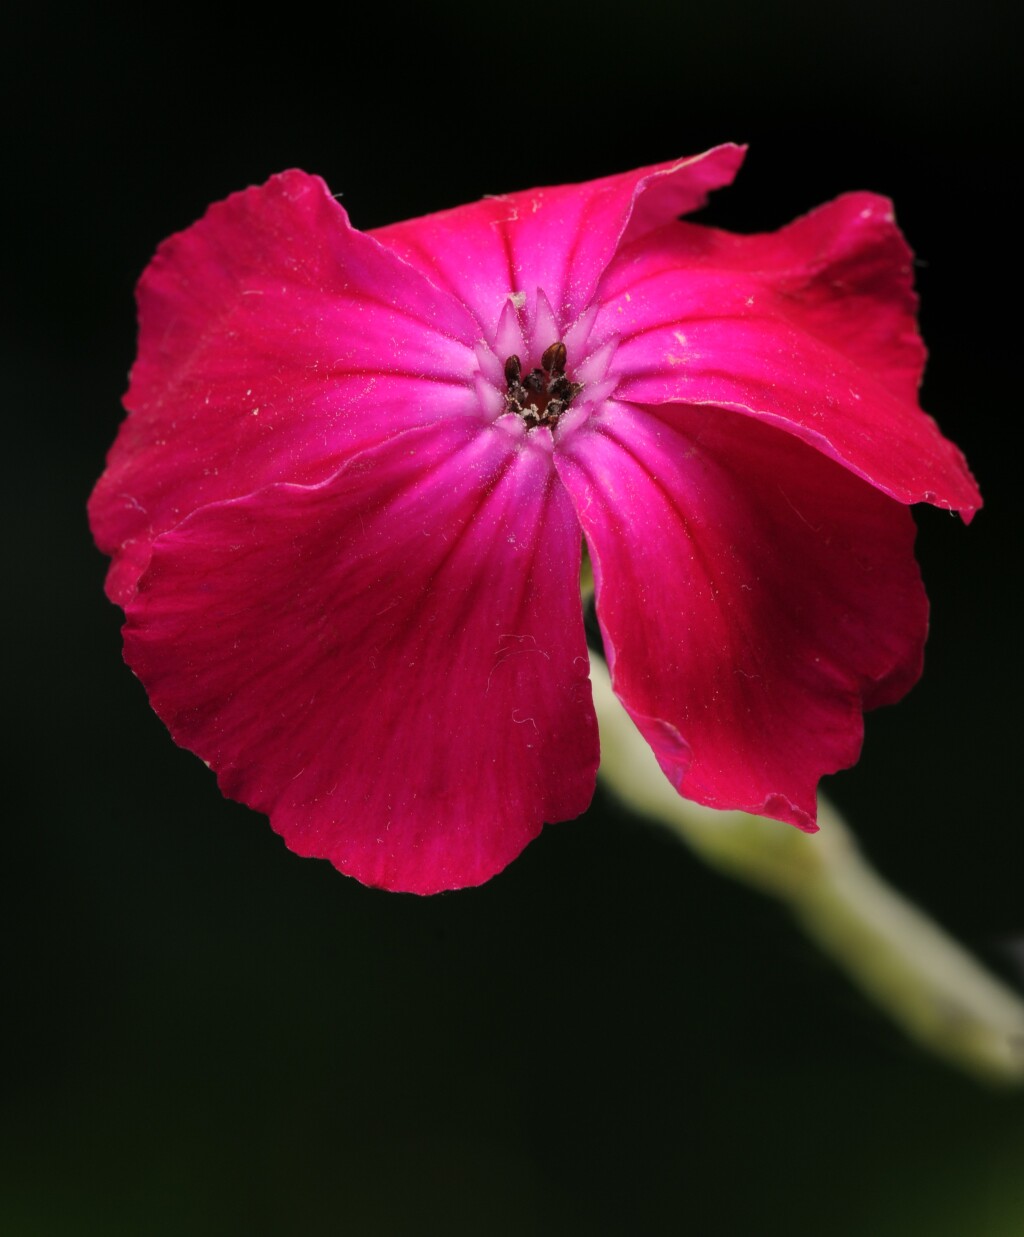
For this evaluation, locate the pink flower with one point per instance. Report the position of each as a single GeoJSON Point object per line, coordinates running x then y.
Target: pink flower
{"type": "Point", "coordinates": [347, 506]}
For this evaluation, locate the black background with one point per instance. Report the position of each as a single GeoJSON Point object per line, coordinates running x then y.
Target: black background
{"type": "Point", "coordinates": [211, 1036]}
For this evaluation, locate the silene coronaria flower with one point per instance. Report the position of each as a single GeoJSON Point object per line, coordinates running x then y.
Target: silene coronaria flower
{"type": "Point", "coordinates": [347, 508]}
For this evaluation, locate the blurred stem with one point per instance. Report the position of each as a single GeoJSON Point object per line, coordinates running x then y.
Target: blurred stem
{"type": "Point", "coordinates": [890, 949]}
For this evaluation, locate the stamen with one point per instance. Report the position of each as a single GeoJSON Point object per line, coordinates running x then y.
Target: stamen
{"type": "Point", "coordinates": [545, 393]}
{"type": "Point", "coordinates": [554, 358]}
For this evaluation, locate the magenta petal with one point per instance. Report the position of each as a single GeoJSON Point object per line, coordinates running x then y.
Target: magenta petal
{"type": "Point", "coordinates": [268, 332]}
{"type": "Point", "coordinates": [558, 239]}
{"type": "Point", "coordinates": [811, 328]}
{"type": "Point", "coordinates": [754, 598]}
{"type": "Point", "coordinates": [392, 663]}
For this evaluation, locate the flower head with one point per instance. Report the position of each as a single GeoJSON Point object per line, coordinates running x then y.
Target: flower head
{"type": "Point", "coordinates": [347, 507]}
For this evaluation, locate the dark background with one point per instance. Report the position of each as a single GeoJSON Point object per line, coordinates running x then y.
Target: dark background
{"type": "Point", "coordinates": [208, 1035]}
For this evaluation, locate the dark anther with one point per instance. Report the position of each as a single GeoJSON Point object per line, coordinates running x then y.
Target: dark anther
{"type": "Point", "coordinates": [544, 394]}
{"type": "Point", "coordinates": [554, 358]}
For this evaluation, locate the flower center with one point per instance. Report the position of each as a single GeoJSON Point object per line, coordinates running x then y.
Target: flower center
{"type": "Point", "coordinates": [544, 394]}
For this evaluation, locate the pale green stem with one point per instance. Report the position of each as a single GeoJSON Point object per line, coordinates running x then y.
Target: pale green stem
{"type": "Point", "coordinates": [889, 948]}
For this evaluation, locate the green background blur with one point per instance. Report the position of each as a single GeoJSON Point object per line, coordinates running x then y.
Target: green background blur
{"type": "Point", "coordinates": [207, 1035]}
